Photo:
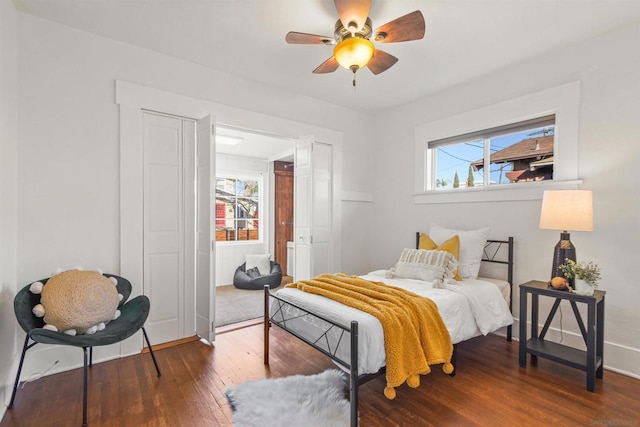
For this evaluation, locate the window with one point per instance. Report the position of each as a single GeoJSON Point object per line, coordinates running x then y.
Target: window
{"type": "Point", "coordinates": [513, 153]}
{"type": "Point", "coordinates": [237, 208]}
{"type": "Point", "coordinates": [553, 112]}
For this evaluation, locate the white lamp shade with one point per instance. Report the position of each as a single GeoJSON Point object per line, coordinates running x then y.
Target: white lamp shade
{"type": "Point", "coordinates": [567, 210]}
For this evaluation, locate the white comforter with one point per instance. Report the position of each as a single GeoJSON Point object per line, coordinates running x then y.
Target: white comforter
{"type": "Point", "coordinates": [469, 308]}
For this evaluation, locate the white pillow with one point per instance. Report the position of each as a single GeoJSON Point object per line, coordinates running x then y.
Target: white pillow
{"type": "Point", "coordinates": [263, 262]}
{"type": "Point", "coordinates": [472, 244]}
{"type": "Point", "coordinates": [425, 265]}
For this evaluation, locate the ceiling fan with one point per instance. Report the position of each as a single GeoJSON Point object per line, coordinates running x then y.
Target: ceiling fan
{"type": "Point", "coordinates": [353, 38]}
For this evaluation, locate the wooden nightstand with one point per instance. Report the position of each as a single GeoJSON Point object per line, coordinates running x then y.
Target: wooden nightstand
{"type": "Point", "coordinates": [591, 361]}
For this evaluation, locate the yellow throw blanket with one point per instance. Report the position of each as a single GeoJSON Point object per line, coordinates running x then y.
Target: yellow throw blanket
{"type": "Point", "coordinates": [415, 335]}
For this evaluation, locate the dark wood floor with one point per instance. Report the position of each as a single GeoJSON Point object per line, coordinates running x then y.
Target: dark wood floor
{"type": "Point", "coordinates": [489, 389]}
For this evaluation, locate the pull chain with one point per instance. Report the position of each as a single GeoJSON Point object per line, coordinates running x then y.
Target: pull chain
{"type": "Point", "coordinates": [354, 80]}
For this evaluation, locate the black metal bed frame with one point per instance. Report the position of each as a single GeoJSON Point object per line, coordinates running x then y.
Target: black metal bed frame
{"type": "Point", "coordinates": [491, 252]}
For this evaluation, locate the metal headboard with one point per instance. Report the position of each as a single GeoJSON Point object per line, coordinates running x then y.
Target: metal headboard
{"type": "Point", "coordinates": [493, 252]}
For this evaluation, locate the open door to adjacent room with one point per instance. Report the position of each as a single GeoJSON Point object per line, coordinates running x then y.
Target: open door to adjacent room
{"type": "Point", "coordinates": [205, 242]}
{"type": "Point", "coordinates": [313, 208]}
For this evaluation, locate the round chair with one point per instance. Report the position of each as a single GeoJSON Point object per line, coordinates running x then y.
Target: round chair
{"type": "Point", "coordinates": [133, 315]}
{"type": "Point", "coordinates": [244, 280]}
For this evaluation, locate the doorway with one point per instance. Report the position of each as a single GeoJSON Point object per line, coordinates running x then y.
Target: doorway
{"type": "Point", "coordinates": [132, 99]}
{"type": "Point", "coordinates": [247, 191]}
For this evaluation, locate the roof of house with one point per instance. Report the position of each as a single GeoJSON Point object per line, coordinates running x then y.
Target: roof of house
{"type": "Point", "coordinates": [525, 149]}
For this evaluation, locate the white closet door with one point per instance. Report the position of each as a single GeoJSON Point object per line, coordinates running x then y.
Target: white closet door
{"type": "Point", "coordinates": [163, 280]}
{"type": "Point", "coordinates": [205, 171]}
{"type": "Point", "coordinates": [313, 207]}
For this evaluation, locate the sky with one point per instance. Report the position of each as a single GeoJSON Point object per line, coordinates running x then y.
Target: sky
{"type": "Point", "coordinates": [456, 158]}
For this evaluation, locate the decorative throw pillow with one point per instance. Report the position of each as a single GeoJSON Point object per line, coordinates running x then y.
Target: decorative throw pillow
{"type": "Point", "coordinates": [253, 272]}
{"type": "Point", "coordinates": [263, 262]}
{"type": "Point", "coordinates": [425, 265]}
{"type": "Point", "coordinates": [451, 245]}
{"type": "Point", "coordinates": [77, 302]}
{"type": "Point", "coordinates": [472, 244]}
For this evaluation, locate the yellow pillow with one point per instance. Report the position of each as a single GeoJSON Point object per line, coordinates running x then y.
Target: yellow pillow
{"type": "Point", "coordinates": [426, 243]}
{"type": "Point", "coordinates": [452, 246]}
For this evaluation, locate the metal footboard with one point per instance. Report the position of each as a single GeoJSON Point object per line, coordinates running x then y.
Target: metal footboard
{"type": "Point", "coordinates": [329, 349]}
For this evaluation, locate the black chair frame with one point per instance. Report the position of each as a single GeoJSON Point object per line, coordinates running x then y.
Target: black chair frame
{"type": "Point", "coordinates": [117, 330]}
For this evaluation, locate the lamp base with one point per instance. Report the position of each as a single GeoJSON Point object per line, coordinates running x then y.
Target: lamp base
{"type": "Point", "coordinates": [563, 250]}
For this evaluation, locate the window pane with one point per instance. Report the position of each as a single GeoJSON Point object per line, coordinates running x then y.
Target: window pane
{"type": "Point", "coordinates": [247, 188]}
{"type": "Point", "coordinates": [237, 207]}
{"type": "Point", "coordinates": [453, 165]}
{"type": "Point", "coordinates": [225, 185]}
{"type": "Point", "coordinates": [522, 157]}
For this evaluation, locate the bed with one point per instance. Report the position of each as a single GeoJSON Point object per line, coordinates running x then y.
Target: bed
{"type": "Point", "coordinates": [354, 340]}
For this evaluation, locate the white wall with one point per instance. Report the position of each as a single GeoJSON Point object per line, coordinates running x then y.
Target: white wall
{"type": "Point", "coordinates": [229, 256]}
{"type": "Point", "coordinates": [8, 179]}
{"type": "Point", "coordinates": [609, 150]}
{"type": "Point", "coordinates": [68, 158]}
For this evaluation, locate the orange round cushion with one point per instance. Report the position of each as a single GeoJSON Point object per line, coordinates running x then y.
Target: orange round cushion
{"type": "Point", "coordinates": [79, 300]}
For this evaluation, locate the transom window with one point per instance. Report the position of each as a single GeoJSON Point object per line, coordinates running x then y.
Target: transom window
{"type": "Point", "coordinates": [237, 209]}
{"type": "Point", "coordinates": [509, 154]}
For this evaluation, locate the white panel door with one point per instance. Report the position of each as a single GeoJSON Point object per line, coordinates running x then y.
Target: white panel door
{"type": "Point", "coordinates": [321, 196]}
{"type": "Point", "coordinates": [205, 173]}
{"type": "Point", "coordinates": [163, 234]}
{"type": "Point", "coordinates": [312, 212]}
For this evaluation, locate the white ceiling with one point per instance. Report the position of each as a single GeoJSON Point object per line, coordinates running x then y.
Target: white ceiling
{"type": "Point", "coordinates": [251, 144]}
{"type": "Point", "coordinates": [464, 38]}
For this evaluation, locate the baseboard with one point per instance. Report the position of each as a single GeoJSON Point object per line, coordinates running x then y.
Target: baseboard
{"type": "Point", "coordinates": [171, 343]}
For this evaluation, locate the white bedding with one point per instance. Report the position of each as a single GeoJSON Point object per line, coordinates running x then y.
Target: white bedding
{"type": "Point", "coordinates": [469, 308]}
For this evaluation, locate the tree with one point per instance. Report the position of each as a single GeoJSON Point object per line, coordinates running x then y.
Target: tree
{"type": "Point", "coordinates": [456, 181]}
{"type": "Point", "coordinates": [470, 177]}
{"type": "Point", "coordinates": [441, 183]}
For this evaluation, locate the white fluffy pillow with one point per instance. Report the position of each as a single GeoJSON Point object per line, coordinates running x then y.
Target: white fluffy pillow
{"type": "Point", "coordinates": [263, 262]}
{"type": "Point", "coordinates": [471, 247]}
{"type": "Point", "coordinates": [425, 265]}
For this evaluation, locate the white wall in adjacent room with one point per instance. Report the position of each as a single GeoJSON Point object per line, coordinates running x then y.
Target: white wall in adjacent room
{"type": "Point", "coordinates": [609, 150]}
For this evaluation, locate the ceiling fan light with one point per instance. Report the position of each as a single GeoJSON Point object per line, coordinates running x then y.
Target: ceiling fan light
{"type": "Point", "coordinates": [353, 53]}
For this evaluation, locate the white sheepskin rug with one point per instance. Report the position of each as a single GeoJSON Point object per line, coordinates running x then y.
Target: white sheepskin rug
{"type": "Point", "coordinates": [299, 400]}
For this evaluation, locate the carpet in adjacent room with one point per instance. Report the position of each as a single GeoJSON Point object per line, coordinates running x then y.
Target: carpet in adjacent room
{"type": "Point", "coordinates": [235, 305]}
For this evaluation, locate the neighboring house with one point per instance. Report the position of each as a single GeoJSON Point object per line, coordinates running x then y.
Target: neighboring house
{"type": "Point", "coordinates": [530, 159]}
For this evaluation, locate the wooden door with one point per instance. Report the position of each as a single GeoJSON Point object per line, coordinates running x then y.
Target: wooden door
{"type": "Point", "coordinates": [283, 212]}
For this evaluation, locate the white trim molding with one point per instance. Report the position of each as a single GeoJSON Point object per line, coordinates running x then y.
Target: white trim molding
{"type": "Point", "coordinates": [133, 98]}
{"type": "Point", "coordinates": [563, 101]}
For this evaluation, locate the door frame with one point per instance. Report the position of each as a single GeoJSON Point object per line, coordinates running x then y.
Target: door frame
{"type": "Point", "coordinates": [132, 99]}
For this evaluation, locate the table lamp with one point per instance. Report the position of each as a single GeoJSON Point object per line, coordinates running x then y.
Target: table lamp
{"type": "Point", "coordinates": [566, 210]}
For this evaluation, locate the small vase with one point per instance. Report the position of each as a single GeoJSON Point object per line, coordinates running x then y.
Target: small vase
{"type": "Point", "coordinates": [583, 288]}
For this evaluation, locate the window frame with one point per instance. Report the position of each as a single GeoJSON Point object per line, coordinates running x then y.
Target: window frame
{"type": "Point", "coordinates": [483, 136]}
{"type": "Point", "coordinates": [247, 176]}
{"type": "Point", "coordinates": [562, 101]}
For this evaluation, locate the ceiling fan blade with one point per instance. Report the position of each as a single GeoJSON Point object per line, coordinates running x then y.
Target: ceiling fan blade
{"type": "Point", "coordinates": [381, 61]}
{"type": "Point", "coordinates": [293, 37]}
{"type": "Point", "coordinates": [407, 27]}
{"type": "Point", "coordinates": [328, 66]}
{"type": "Point", "coordinates": [355, 11]}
